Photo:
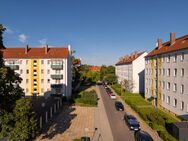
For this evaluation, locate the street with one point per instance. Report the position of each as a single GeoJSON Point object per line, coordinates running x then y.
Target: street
{"type": "Point", "coordinates": [119, 129]}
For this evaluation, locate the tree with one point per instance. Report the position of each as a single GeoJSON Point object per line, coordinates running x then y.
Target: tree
{"type": "Point", "coordinates": [127, 85]}
{"type": "Point", "coordinates": [25, 128]}
{"type": "Point", "coordinates": [110, 79]}
{"type": "Point", "coordinates": [2, 29]}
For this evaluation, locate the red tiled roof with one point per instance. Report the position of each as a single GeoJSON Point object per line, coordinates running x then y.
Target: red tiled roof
{"type": "Point", "coordinates": [35, 53]}
{"type": "Point", "coordinates": [95, 68]}
{"type": "Point", "coordinates": [128, 59]}
{"type": "Point", "coordinates": [180, 43]}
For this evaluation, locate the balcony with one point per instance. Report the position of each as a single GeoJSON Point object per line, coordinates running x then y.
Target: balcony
{"type": "Point", "coordinates": [13, 67]}
{"type": "Point", "coordinates": [57, 76]}
{"type": "Point", "coordinates": [57, 66]}
{"type": "Point", "coordinates": [56, 86]}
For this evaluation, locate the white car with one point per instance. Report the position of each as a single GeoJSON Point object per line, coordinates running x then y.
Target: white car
{"type": "Point", "coordinates": [112, 96]}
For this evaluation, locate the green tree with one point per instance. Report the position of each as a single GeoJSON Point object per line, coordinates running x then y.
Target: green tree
{"type": "Point", "coordinates": [106, 70]}
{"type": "Point", "coordinates": [25, 128]}
{"type": "Point", "coordinates": [2, 29]}
{"type": "Point", "coordinates": [110, 79]}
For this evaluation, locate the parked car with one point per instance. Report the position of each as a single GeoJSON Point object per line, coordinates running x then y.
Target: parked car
{"type": "Point", "coordinates": [112, 96]}
{"type": "Point", "coordinates": [85, 138]}
{"type": "Point", "coordinates": [142, 136]}
{"type": "Point", "coordinates": [119, 106]}
{"type": "Point", "coordinates": [132, 122]}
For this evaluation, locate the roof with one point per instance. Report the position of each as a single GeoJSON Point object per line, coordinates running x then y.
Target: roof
{"type": "Point", "coordinates": [182, 124]}
{"type": "Point", "coordinates": [95, 68]}
{"type": "Point", "coordinates": [35, 53]}
{"type": "Point", "coordinates": [128, 59]}
{"type": "Point", "coordinates": [180, 44]}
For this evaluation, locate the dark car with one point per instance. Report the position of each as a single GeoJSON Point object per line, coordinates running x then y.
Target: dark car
{"type": "Point", "coordinates": [132, 122]}
{"type": "Point", "coordinates": [85, 138]}
{"type": "Point", "coordinates": [119, 106]}
{"type": "Point", "coordinates": [142, 136]}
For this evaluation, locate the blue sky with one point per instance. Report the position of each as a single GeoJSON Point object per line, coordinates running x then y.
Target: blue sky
{"type": "Point", "coordinates": [100, 31]}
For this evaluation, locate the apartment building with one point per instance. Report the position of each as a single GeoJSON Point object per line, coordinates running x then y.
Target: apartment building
{"type": "Point", "coordinates": [166, 75]}
{"type": "Point", "coordinates": [131, 68]}
{"type": "Point", "coordinates": [44, 71]}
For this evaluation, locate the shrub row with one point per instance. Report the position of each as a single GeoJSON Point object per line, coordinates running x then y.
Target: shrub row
{"type": "Point", "coordinates": [156, 118]}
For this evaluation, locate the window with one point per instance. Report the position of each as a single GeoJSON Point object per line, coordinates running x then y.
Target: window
{"type": "Point", "coordinates": [168, 59]}
{"type": "Point", "coordinates": [163, 84]}
{"type": "Point", "coordinates": [175, 87]}
{"type": "Point", "coordinates": [42, 61]}
{"type": "Point", "coordinates": [57, 81]}
{"type": "Point", "coordinates": [48, 80]}
{"type": "Point", "coordinates": [57, 71]}
{"type": "Point", "coordinates": [168, 86]}
{"type": "Point", "coordinates": [175, 57]}
{"type": "Point", "coordinates": [146, 90]}
{"type": "Point", "coordinates": [27, 90]}
{"type": "Point", "coordinates": [35, 70]}
{"type": "Point", "coordinates": [48, 61]}
{"type": "Point", "coordinates": [182, 72]}
{"type": "Point", "coordinates": [42, 80]}
{"type": "Point", "coordinates": [163, 72]}
{"type": "Point", "coordinates": [163, 97]}
{"type": "Point", "coordinates": [175, 72]}
{"type": "Point", "coordinates": [168, 72]}
{"type": "Point", "coordinates": [21, 71]}
{"type": "Point", "coordinates": [187, 108]}
{"type": "Point", "coordinates": [35, 90]}
{"type": "Point", "coordinates": [168, 100]}
{"type": "Point", "coordinates": [27, 71]}
{"type": "Point", "coordinates": [146, 71]}
{"type": "Point", "coordinates": [35, 61]}
{"type": "Point", "coordinates": [35, 80]}
{"type": "Point", "coordinates": [42, 71]}
{"type": "Point", "coordinates": [182, 56]}
{"type": "Point", "coordinates": [48, 71]}
{"type": "Point", "coordinates": [182, 89]}
{"type": "Point", "coordinates": [175, 102]}
{"type": "Point", "coordinates": [159, 71]}
{"type": "Point", "coordinates": [182, 105]}
{"type": "Point", "coordinates": [42, 90]}
{"type": "Point", "coordinates": [20, 61]}
{"type": "Point", "coordinates": [162, 59]}
{"type": "Point", "coordinates": [27, 80]}
{"type": "Point", "coordinates": [27, 62]}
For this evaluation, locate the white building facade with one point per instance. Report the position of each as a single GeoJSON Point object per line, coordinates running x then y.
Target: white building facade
{"type": "Point", "coordinates": [45, 71]}
{"type": "Point", "coordinates": [131, 68]}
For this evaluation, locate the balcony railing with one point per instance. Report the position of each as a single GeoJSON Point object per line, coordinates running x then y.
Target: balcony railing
{"type": "Point", "coordinates": [57, 66]}
{"type": "Point", "coordinates": [13, 67]}
{"type": "Point", "coordinates": [57, 76]}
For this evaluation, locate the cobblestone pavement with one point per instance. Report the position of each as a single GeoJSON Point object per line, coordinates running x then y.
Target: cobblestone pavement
{"type": "Point", "coordinates": [72, 122]}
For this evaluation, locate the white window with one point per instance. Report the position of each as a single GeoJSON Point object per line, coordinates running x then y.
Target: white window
{"type": "Point", "coordinates": [182, 105]}
{"type": "Point", "coordinates": [182, 56]}
{"type": "Point", "coordinates": [27, 81]}
{"type": "Point", "coordinates": [175, 102]}
{"type": "Point", "coordinates": [42, 71]}
{"type": "Point", "coordinates": [42, 61]}
{"type": "Point", "coordinates": [27, 61]}
{"type": "Point", "coordinates": [175, 87]}
{"type": "Point", "coordinates": [175, 72]}
{"type": "Point", "coordinates": [168, 59]}
{"type": "Point", "coordinates": [42, 80]}
{"type": "Point", "coordinates": [182, 89]}
{"type": "Point", "coordinates": [168, 100]}
{"type": "Point", "coordinates": [20, 61]}
{"type": "Point", "coordinates": [168, 86]}
{"type": "Point", "coordinates": [163, 72]}
{"type": "Point", "coordinates": [163, 84]}
{"type": "Point", "coordinates": [48, 61]}
{"type": "Point", "coordinates": [168, 72]}
{"type": "Point", "coordinates": [163, 97]}
{"type": "Point", "coordinates": [182, 72]}
{"type": "Point", "coordinates": [175, 57]}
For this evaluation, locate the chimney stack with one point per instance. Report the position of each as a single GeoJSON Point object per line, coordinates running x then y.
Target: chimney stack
{"type": "Point", "coordinates": [172, 38]}
{"type": "Point", "coordinates": [26, 49]}
{"type": "Point", "coordinates": [160, 43]}
{"type": "Point", "coordinates": [46, 49]}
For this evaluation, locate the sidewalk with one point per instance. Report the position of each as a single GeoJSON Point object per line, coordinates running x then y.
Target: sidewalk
{"type": "Point", "coordinates": [143, 124]}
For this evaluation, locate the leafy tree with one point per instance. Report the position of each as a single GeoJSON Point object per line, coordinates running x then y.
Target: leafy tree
{"type": "Point", "coordinates": [127, 85]}
{"type": "Point", "coordinates": [26, 128]}
{"type": "Point", "coordinates": [106, 70]}
{"type": "Point", "coordinates": [2, 29]}
{"type": "Point", "coordinates": [110, 79]}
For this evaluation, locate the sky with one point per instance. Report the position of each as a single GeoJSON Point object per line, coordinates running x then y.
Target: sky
{"type": "Point", "coordinates": [100, 31]}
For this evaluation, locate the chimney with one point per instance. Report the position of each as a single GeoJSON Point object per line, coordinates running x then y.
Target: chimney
{"type": "Point", "coordinates": [46, 49]}
{"type": "Point", "coordinates": [26, 49]}
{"type": "Point", "coordinates": [172, 38]}
{"type": "Point", "coordinates": [160, 43]}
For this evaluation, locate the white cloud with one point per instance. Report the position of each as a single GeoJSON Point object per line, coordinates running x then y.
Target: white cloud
{"type": "Point", "coordinates": [22, 38]}
{"type": "Point", "coordinates": [9, 31]}
{"type": "Point", "coordinates": [43, 41]}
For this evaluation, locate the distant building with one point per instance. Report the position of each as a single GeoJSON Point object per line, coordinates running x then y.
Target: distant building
{"type": "Point", "coordinates": [76, 62]}
{"type": "Point", "coordinates": [95, 68]}
{"type": "Point", "coordinates": [166, 75]}
{"type": "Point", "coordinates": [44, 71]}
{"type": "Point", "coordinates": [131, 68]}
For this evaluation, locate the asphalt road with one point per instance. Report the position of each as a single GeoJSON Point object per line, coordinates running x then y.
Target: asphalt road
{"type": "Point", "coordinates": [119, 129]}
